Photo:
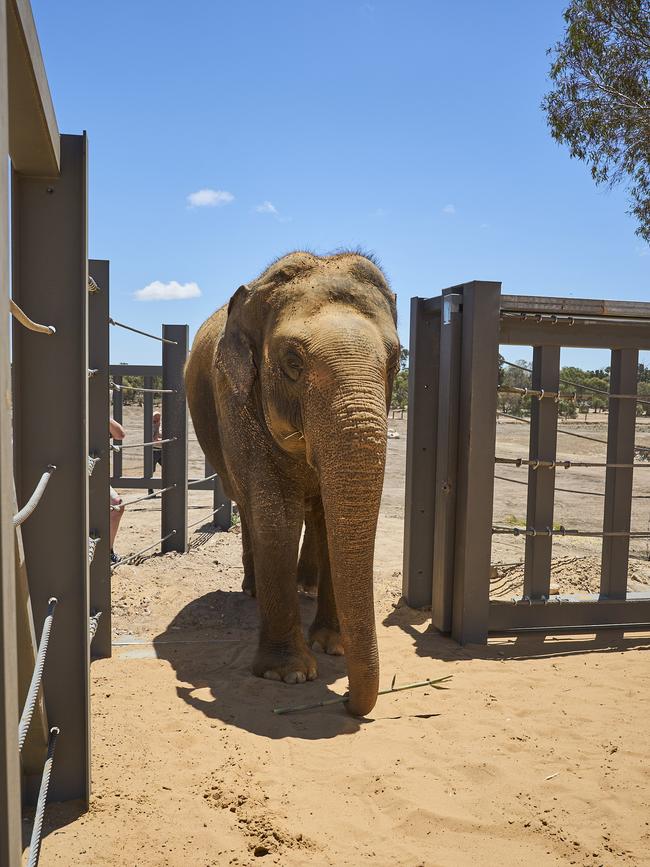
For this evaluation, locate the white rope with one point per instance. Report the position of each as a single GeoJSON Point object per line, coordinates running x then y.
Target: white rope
{"type": "Point", "coordinates": [37, 830]}
{"type": "Point", "coordinates": [148, 390]}
{"type": "Point", "coordinates": [24, 319]}
{"type": "Point", "coordinates": [37, 675]}
{"type": "Point", "coordinates": [92, 463]}
{"type": "Point", "coordinates": [93, 624]}
{"type": "Point", "coordinates": [21, 516]}
{"type": "Point", "coordinates": [92, 545]}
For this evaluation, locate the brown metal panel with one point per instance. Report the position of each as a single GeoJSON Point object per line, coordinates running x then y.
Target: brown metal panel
{"type": "Point", "coordinates": [477, 434]}
{"type": "Point", "coordinates": [600, 335]}
{"type": "Point", "coordinates": [136, 482]}
{"type": "Point", "coordinates": [10, 825]}
{"type": "Point", "coordinates": [135, 370]}
{"type": "Point", "coordinates": [174, 420]}
{"type": "Point", "coordinates": [618, 481]}
{"type": "Point", "coordinates": [505, 616]}
{"type": "Point", "coordinates": [446, 461]}
{"type": "Point", "coordinates": [33, 131]}
{"type": "Point", "coordinates": [147, 434]}
{"type": "Point", "coordinates": [99, 409]}
{"type": "Point", "coordinates": [222, 519]}
{"type": "Point", "coordinates": [575, 306]}
{"type": "Point", "coordinates": [420, 454]}
{"type": "Point", "coordinates": [50, 281]}
{"type": "Point", "coordinates": [117, 410]}
{"type": "Point", "coordinates": [541, 484]}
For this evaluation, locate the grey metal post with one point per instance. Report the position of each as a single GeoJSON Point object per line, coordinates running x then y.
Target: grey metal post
{"type": "Point", "coordinates": [477, 434]}
{"type": "Point", "coordinates": [618, 482]}
{"type": "Point", "coordinates": [99, 411]}
{"type": "Point", "coordinates": [118, 416]}
{"type": "Point", "coordinates": [541, 483]}
{"type": "Point", "coordinates": [222, 519]}
{"type": "Point", "coordinates": [421, 436]}
{"type": "Point", "coordinates": [148, 428]}
{"type": "Point", "coordinates": [174, 422]}
{"type": "Point", "coordinates": [50, 282]}
{"type": "Point", "coordinates": [446, 461]}
{"type": "Point", "coordinates": [10, 826]}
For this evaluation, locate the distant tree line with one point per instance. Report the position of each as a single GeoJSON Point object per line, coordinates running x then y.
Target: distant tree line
{"type": "Point", "coordinates": [136, 398]}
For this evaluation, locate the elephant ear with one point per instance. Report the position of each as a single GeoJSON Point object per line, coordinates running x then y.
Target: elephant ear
{"type": "Point", "coordinates": [234, 354]}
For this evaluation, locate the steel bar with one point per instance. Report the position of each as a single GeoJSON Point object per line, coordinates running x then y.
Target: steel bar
{"type": "Point", "coordinates": [205, 518]}
{"type": "Point", "coordinates": [596, 308]}
{"type": "Point", "coordinates": [446, 461]}
{"type": "Point", "coordinates": [539, 393]}
{"type": "Point", "coordinates": [125, 503]}
{"type": "Point", "coordinates": [541, 486]}
{"type": "Point", "coordinates": [572, 490]}
{"type": "Point", "coordinates": [174, 420]}
{"type": "Point", "coordinates": [538, 464]}
{"type": "Point", "coordinates": [35, 498]}
{"type": "Point", "coordinates": [421, 439]}
{"type": "Point", "coordinates": [200, 481]}
{"type": "Point", "coordinates": [137, 331]}
{"type": "Point", "coordinates": [587, 534]}
{"type": "Point", "coordinates": [477, 434]}
{"type": "Point", "coordinates": [24, 320]}
{"type": "Point", "coordinates": [147, 470]}
{"type": "Point", "coordinates": [617, 514]}
{"type": "Point", "coordinates": [558, 318]}
{"type": "Point", "coordinates": [570, 433]}
{"type": "Point", "coordinates": [505, 616]}
{"type": "Point", "coordinates": [118, 406]}
{"type": "Point", "coordinates": [50, 250]}
{"type": "Point", "coordinates": [137, 388]}
{"type": "Point", "coordinates": [121, 448]}
{"type": "Point", "coordinates": [37, 675]}
{"type": "Point", "coordinates": [37, 829]}
{"type": "Point", "coordinates": [98, 438]}
{"type": "Point", "coordinates": [122, 370]}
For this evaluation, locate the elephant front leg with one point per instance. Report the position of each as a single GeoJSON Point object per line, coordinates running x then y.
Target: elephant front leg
{"type": "Point", "coordinates": [282, 653]}
{"type": "Point", "coordinates": [325, 632]}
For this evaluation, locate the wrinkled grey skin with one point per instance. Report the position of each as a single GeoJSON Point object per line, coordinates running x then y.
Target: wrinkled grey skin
{"type": "Point", "coordinates": [288, 388]}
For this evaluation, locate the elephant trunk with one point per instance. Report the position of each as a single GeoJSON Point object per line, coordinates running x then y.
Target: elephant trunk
{"type": "Point", "coordinates": [349, 451]}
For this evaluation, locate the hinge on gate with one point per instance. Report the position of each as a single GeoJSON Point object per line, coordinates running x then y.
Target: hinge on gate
{"type": "Point", "coordinates": [450, 304]}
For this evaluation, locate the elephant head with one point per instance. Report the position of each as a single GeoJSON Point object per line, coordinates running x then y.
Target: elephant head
{"type": "Point", "coordinates": [312, 347]}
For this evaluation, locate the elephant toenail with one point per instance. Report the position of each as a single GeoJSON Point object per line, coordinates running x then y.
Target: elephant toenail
{"type": "Point", "coordinates": [272, 675]}
{"type": "Point", "coordinates": [335, 650]}
{"type": "Point", "coordinates": [295, 677]}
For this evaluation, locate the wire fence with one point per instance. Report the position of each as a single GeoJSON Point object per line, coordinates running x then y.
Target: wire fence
{"type": "Point", "coordinates": [138, 331]}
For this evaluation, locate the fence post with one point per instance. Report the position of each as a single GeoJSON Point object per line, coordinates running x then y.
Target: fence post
{"type": "Point", "coordinates": [541, 483]}
{"type": "Point", "coordinates": [98, 415]}
{"type": "Point", "coordinates": [618, 482]}
{"type": "Point", "coordinates": [421, 433]}
{"type": "Point", "coordinates": [10, 825]}
{"type": "Point", "coordinates": [50, 282]}
{"type": "Point", "coordinates": [116, 472]}
{"type": "Point", "coordinates": [222, 519]}
{"type": "Point", "coordinates": [148, 428]}
{"type": "Point", "coordinates": [446, 461]}
{"type": "Point", "coordinates": [174, 424]}
{"type": "Point", "coordinates": [477, 435]}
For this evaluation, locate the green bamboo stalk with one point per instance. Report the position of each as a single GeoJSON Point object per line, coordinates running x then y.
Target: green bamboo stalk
{"type": "Point", "coordinates": [342, 698]}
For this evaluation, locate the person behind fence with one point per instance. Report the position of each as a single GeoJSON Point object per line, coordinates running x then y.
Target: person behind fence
{"type": "Point", "coordinates": [117, 432]}
{"type": "Point", "coordinates": [156, 420]}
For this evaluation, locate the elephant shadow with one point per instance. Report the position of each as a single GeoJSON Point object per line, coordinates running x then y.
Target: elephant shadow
{"type": "Point", "coordinates": [210, 644]}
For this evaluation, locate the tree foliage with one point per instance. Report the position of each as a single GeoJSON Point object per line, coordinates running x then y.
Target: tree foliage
{"type": "Point", "coordinates": [600, 102]}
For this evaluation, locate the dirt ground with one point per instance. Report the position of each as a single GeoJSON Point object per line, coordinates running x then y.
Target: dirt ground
{"type": "Point", "coordinates": [537, 754]}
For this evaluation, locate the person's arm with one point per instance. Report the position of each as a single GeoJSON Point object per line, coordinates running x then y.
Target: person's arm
{"type": "Point", "coordinates": [116, 429]}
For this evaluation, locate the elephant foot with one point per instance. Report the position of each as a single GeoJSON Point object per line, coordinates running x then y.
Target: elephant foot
{"type": "Point", "coordinates": [324, 639]}
{"type": "Point", "coordinates": [292, 665]}
{"type": "Point", "coordinates": [248, 585]}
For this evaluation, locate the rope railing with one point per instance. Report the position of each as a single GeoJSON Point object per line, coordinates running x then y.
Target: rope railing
{"type": "Point", "coordinates": [570, 490]}
{"type": "Point", "coordinates": [118, 387]}
{"type": "Point", "coordinates": [37, 675]}
{"type": "Point", "coordinates": [539, 393]}
{"type": "Point", "coordinates": [142, 445]}
{"type": "Point", "coordinates": [153, 496]}
{"type": "Point", "coordinates": [126, 560]}
{"type": "Point", "coordinates": [93, 286]}
{"type": "Point", "coordinates": [205, 517]}
{"type": "Point", "coordinates": [93, 623]}
{"type": "Point", "coordinates": [204, 479]}
{"type": "Point", "coordinates": [92, 547]}
{"type": "Point", "coordinates": [92, 371]}
{"type": "Point", "coordinates": [144, 333]}
{"type": "Point", "coordinates": [24, 319]}
{"type": "Point", "coordinates": [21, 516]}
{"type": "Point", "coordinates": [558, 318]}
{"type": "Point", "coordinates": [536, 464]}
{"type": "Point", "coordinates": [37, 829]}
{"type": "Point", "coordinates": [93, 460]}
{"type": "Point", "coordinates": [582, 386]}
{"type": "Point", "coordinates": [562, 531]}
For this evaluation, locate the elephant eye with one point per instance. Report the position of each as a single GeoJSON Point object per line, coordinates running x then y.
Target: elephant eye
{"type": "Point", "coordinates": [292, 365]}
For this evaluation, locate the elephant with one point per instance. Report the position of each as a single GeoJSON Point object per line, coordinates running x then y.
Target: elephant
{"type": "Point", "coordinates": [288, 388]}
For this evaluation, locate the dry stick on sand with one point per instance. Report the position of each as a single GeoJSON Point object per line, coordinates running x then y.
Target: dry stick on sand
{"type": "Point", "coordinates": [341, 698]}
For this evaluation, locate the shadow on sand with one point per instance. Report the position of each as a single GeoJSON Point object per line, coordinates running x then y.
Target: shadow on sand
{"type": "Point", "coordinates": [431, 643]}
{"type": "Point", "coordinates": [210, 644]}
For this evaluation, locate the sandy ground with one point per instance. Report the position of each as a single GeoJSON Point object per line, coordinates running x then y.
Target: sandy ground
{"type": "Point", "coordinates": [537, 754]}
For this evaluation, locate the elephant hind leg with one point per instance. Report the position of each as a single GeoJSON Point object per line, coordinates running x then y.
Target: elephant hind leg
{"type": "Point", "coordinates": [248, 584]}
{"type": "Point", "coordinates": [308, 565]}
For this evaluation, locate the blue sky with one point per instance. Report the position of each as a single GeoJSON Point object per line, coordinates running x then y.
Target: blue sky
{"type": "Point", "coordinates": [410, 128]}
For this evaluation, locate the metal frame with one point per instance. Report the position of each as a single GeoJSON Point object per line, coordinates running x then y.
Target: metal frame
{"type": "Point", "coordinates": [454, 375]}
{"type": "Point", "coordinates": [174, 416]}
{"type": "Point", "coordinates": [50, 250]}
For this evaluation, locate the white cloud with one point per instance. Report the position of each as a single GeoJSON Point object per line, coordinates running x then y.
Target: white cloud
{"type": "Point", "coordinates": [172, 291]}
{"type": "Point", "coordinates": [209, 198]}
{"type": "Point", "coordinates": [267, 208]}
{"type": "Point", "coordinates": [449, 209]}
